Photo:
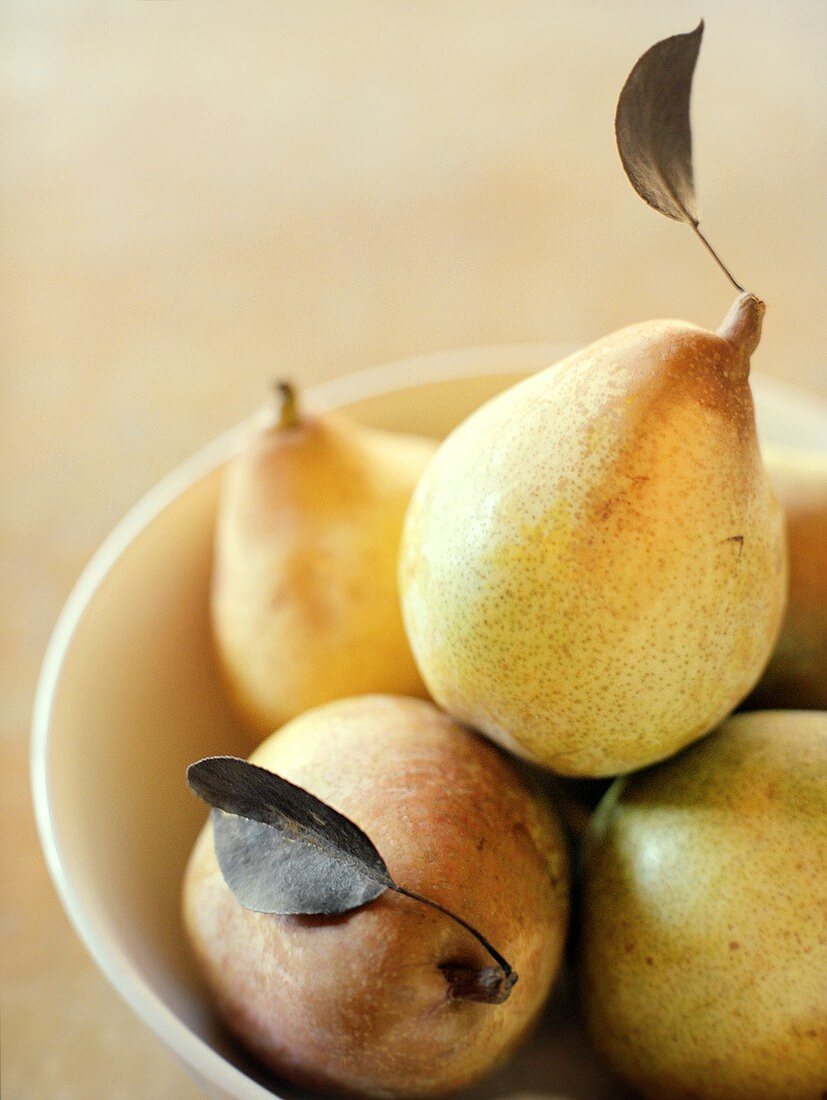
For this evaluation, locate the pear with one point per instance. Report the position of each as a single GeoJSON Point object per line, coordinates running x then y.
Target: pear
{"type": "Point", "coordinates": [305, 605]}
{"type": "Point", "coordinates": [593, 565]}
{"type": "Point", "coordinates": [378, 1001]}
{"type": "Point", "coordinates": [703, 942]}
{"type": "Point", "coordinates": [797, 673]}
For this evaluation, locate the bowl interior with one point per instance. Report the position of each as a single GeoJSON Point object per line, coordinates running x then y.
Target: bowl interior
{"type": "Point", "coordinates": [130, 695]}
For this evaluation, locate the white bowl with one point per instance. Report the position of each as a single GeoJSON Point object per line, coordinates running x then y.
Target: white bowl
{"type": "Point", "coordinates": [129, 696]}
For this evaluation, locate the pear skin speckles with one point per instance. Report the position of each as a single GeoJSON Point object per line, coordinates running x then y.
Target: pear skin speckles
{"type": "Point", "coordinates": [593, 565]}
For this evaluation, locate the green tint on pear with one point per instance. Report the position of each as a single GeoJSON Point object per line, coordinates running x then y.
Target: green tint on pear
{"type": "Point", "coordinates": [702, 939]}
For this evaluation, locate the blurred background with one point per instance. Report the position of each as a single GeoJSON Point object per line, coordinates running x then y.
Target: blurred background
{"type": "Point", "coordinates": [197, 195]}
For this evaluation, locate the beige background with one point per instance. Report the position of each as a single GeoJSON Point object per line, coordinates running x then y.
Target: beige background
{"type": "Point", "coordinates": [199, 195]}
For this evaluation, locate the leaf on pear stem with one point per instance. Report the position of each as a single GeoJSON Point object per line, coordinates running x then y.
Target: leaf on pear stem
{"type": "Point", "coordinates": [653, 131]}
{"type": "Point", "coordinates": [282, 850]}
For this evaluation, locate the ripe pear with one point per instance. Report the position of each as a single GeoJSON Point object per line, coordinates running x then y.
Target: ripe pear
{"type": "Point", "coordinates": [797, 673]}
{"type": "Point", "coordinates": [593, 565]}
{"type": "Point", "coordinates": [305, 605]}
{"type": "Point", "coordinates": [374, 1002]}
{"type": "Point", "coordinates": [703, 944]}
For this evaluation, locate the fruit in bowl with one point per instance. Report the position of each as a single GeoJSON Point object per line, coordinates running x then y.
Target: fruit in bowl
{"type": "Point", "coordinates": [311, 996]}
{"type": "Point", "coordinates": [593, 566]}
{"type": "Point", "coordinates": [304, 603]}
{"type": "Point", "coordinates": [132, 661]}
{"type": "Point", "coordinates": [703, 929]}
{"type": "Point", "coordinates": [393, 998]}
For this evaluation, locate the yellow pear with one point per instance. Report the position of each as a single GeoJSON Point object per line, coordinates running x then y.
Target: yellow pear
{"type": "Point", "coordinates": [376, 1001]}
{"type": "Point", "coordinates": [796, 676]}
{"type": "Point", "coordinates": [703, 946]}
{"type": "Point", "coordinates": [305, 604]}
{"type": "Point", "coordinates": [593, 565]}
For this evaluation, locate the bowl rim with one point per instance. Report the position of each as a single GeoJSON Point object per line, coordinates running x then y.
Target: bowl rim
{"type": "Point", "coordinates": [197, 1056]}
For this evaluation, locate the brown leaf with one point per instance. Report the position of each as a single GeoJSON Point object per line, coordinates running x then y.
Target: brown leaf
{"type": "Point", "coordinates": [654, 137]}
{"type": "Point", "coordinates": [652, 128]}
{"type": "Point", "coordinates": [282, 850]}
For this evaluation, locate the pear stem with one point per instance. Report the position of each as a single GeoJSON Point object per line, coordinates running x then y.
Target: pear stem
{"type": "Point", "coordinates": [742, 325]}
{"type": "Point", "coordinates": [716, 257]}
{"type": "Point", "coordinates": [287, 404]}
{"type": "Point", "coordinates": [490, 984]}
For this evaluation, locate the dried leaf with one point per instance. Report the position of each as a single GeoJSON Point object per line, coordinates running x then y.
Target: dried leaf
{"type": "Point", "coordinates": [270, 873]}
{"type": "Point", "coordinates": [652, 126]}
{"type": "Point", "coordinates": [654, 137]}
{"type": "Point", "coordinates": [281, 849]}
